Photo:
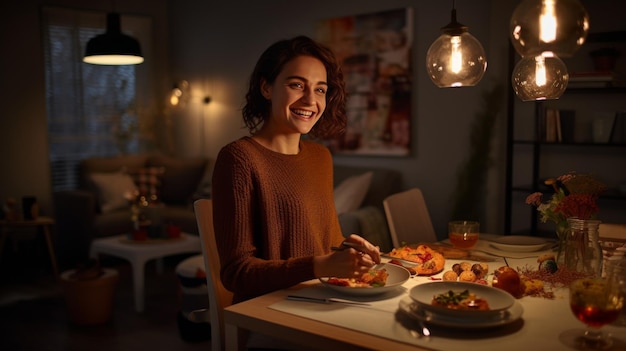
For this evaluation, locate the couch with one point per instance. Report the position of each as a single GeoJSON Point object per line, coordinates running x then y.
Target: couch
{"type": "Point", "coordinates": [368, 219]}
{"type": "Point", "coordinates": [101, 206]}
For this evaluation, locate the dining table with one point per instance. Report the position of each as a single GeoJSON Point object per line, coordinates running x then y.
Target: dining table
{"type": "Point", "coordinates": [539, 323]}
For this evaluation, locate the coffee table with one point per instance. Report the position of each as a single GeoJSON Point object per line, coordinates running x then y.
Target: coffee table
{"type": "Point", "coordinates": [138, 253]}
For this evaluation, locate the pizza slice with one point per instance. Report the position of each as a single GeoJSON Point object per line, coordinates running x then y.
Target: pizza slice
{"type": "Point", "coordinates": [428, 261]}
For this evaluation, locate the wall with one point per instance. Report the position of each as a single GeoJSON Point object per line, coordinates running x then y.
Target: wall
{"type": "Point", "coordinates": [215, 44]}
{"type": "Point", "coordinates": [218, 43]}
{"type": "Point", "coordinates": [23, 129]}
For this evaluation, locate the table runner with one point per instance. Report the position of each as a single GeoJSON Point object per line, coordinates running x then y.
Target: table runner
{"type": "Point", "coordinates": [541, 325]}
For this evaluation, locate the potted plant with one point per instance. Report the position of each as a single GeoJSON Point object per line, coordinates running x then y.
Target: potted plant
{"type": "Point", "coordinates": [89, 293]}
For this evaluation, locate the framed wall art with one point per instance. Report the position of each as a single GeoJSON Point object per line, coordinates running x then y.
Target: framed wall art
{"type": "Point", "coordinates": [374, 51]}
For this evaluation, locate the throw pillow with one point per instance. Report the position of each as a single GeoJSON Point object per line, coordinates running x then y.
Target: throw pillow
{"type": "Point", "coordinates": [180, 179]}
{"type": "Point", "coordinates": [114, 190]}
{"type": "Point", "coordinates": [148, 181]}
{"type": "Point", "coordinates": [350, 193]}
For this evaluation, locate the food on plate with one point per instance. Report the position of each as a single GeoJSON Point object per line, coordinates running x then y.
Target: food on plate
{"type": "Point", "coordinates": [532, 287]}
{"type": "Point", "coordinates": [399, 263]}
{"type": "Point", "coordinates": [428, 261]}
{"type": "Point", "coordinates": [467, 276]}
{"type": "Point", "coordinates": [371, 279]}
{"type": "Point", "coordinates": [507, 279]}
{"type": "Point", "coordinates": [467, 272]}
{"type": "Point", "coordinates": [450, 276]}
{"type": "Point", "coordinates": [460, 301]}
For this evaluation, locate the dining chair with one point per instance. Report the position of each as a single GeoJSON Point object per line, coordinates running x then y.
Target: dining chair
{"type": "Point", "coordinates": [408, 218]}
{"type": "Point", "coordinates": [219, 297]}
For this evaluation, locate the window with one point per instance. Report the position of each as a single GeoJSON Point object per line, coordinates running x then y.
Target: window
{"type": "Point", "coordinates": [92, 110]}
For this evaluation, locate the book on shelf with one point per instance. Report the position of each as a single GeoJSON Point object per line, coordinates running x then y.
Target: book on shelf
{"type": "Point", "coordinates": [556, 126]}
{"type": "Point", "coordinates": [618, 131]}
{"type": "Point", "coordinates": [551, 132]}
{"type": "Point", "coordinates": [566, 123]}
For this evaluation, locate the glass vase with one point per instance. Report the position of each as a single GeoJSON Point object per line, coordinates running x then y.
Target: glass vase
{"type": "Point", "coordinates": [562, 230]}
{"type": "Point", "coordinates": [582, 248]}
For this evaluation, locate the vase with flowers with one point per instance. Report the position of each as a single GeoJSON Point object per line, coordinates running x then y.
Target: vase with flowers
{"type": "Point", "coordinates": [575, 198]}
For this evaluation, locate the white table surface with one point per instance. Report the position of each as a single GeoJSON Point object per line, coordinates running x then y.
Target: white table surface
{"type": "Point", "coordinates": [140, 252]}
{"type": "Point", "coordinates": [542, 326]}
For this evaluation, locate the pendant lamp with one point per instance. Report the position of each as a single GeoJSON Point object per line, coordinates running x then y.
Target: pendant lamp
{"type": "Point", "coordinates": [113, 47]}
{"type": "Point", "coordinates": [558, 26]}
{"type": "Point", "coordinates": [456, 58]}
{"type": "Point", "coordinates": [540, 77]}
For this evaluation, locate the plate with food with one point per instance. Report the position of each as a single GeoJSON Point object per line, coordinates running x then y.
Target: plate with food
{"type": "Point", "coordinates": [380, 279]}
{"type": "Point", "coordinates": [519, 243]}
{"type": "Point", "coordinates": [414, 311]}
{"type": "Point", "coordinates": [425, 260]}
{"type": "Point", "coordinates": [461, 299]}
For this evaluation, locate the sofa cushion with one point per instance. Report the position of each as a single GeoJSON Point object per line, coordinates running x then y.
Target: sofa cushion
{"type": "Point", "coordinates": [384, 182]}
{"type": "Point", "coordinates": [108, 165]}
{"type": "Point", "coordinates": [349, 194]}
{"type": "Point", "coordinates": [114, 190]}
{"type": "Point", "coordinates": [148, 181]}
{"type": "Point", "coordinates": [180, 179]}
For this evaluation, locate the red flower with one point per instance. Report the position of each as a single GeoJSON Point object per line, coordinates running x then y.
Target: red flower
{"type": "Point", "coordinates": [582, 206]}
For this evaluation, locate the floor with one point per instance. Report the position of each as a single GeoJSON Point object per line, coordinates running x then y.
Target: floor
{"type": "Point", "coordinates": [33, 313]}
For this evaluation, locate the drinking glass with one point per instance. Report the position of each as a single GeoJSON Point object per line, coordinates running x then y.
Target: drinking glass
{"type": "Point", "coordinates": [616, 272]}
{"type": "Point", "coordinates": [595, 302]}
{"type": "Point", "coordinates": [463, 234]}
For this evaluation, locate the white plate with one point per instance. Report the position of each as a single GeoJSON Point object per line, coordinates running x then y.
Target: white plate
{"type": "Point", "coordinates": [397, 276]}
{"type": "Point", "coordinates": [519, 243]}
{"type": "Point", "coordinates": [411, 309]}
{"type": "Point", "coordinates": [498, 300]}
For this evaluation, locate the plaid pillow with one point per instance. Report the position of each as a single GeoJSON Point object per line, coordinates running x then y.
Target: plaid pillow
{"type": "Point", "coordinates": [148, 181]}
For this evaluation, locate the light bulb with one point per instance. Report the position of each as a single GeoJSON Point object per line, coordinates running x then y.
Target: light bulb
{"type": "Point", "coordinates": [456, 58]}
{"type": "Point", "coordinates": [558, 26]}
{"type": "Point", "coordinates": [540, 77]}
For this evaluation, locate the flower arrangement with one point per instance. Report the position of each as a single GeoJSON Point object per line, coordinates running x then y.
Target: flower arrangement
{"type": "Point", "coordinates": [575, 195]}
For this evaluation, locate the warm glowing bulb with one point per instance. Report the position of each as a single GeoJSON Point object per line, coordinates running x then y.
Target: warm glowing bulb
{"type": "Point", "coordinates": [174, 100]}
{"type": "Point", "coordinates": [558, 26]}
{"type": "Point", "coordinates": [456, 58]}
{"type": "Point", "coordinates": [540, 78]}
{"type": "Point", "coordinates": [547, 22]}
{"type": "Point", "coordinates": [540, 71]}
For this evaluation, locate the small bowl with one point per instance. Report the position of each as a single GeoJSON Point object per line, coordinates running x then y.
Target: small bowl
{"type": "Point", "coordinates": [498, 300]}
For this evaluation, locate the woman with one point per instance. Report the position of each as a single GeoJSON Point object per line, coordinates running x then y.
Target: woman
{"type": "Point", "coordinates": [274, 215]}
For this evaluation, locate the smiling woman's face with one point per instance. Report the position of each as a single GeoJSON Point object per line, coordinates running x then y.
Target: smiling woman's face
{"type": "Point", "coordinates": [298, 95]}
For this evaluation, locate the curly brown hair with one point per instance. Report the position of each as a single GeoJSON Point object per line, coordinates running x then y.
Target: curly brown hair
{"type": "Point", "coordinates": [270, 64]}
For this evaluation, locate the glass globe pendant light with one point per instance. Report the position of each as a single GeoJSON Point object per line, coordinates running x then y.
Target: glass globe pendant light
{"type": "Point", "coordinates": [558, 26]}
{"type": "Point", "coordinates": [456, 58]}
{"type": "Point", "coordinates": [540, 77]}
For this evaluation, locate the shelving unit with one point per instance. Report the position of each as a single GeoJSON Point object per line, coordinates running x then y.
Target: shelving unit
{"type": "Point", "coordinates": [530, 160]}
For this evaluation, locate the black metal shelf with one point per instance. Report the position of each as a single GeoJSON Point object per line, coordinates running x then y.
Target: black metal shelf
{"type": "Point", "coordinates": [537, 148]}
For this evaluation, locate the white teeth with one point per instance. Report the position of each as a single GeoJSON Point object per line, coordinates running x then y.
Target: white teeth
{"type": "Point", "coordinates": [303, 113]}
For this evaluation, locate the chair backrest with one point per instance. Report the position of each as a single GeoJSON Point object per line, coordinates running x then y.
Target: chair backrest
{"type": "Point", "coordinates": [219, 297]}
{"type": "Point", "coordinates": [408, 218]}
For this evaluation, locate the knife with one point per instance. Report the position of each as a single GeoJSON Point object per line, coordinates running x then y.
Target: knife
{"type": "Point", "coordinates": [325, 300]}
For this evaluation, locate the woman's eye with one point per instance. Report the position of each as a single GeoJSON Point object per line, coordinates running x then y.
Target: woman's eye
{"type": "Point", "coordinates": [297, 85]}
{"type": "Point", "coordinates": [321, 90]}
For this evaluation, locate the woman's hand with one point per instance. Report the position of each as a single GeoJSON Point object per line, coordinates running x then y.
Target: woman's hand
{"type": "Point", "coordinates": [349, 262]}
{"type": "Point", "coordinates": [365, 247]}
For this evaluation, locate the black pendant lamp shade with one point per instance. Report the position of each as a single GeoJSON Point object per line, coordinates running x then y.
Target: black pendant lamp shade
{"type": "Point", "coordinates": [113, 47]}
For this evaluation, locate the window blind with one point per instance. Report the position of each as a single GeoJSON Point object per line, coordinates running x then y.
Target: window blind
{"type": "Point", "coordinates": [92, 110]}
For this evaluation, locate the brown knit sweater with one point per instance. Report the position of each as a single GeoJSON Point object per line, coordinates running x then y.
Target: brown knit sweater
{"type": "Point", "coordinates": [272, 213]}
